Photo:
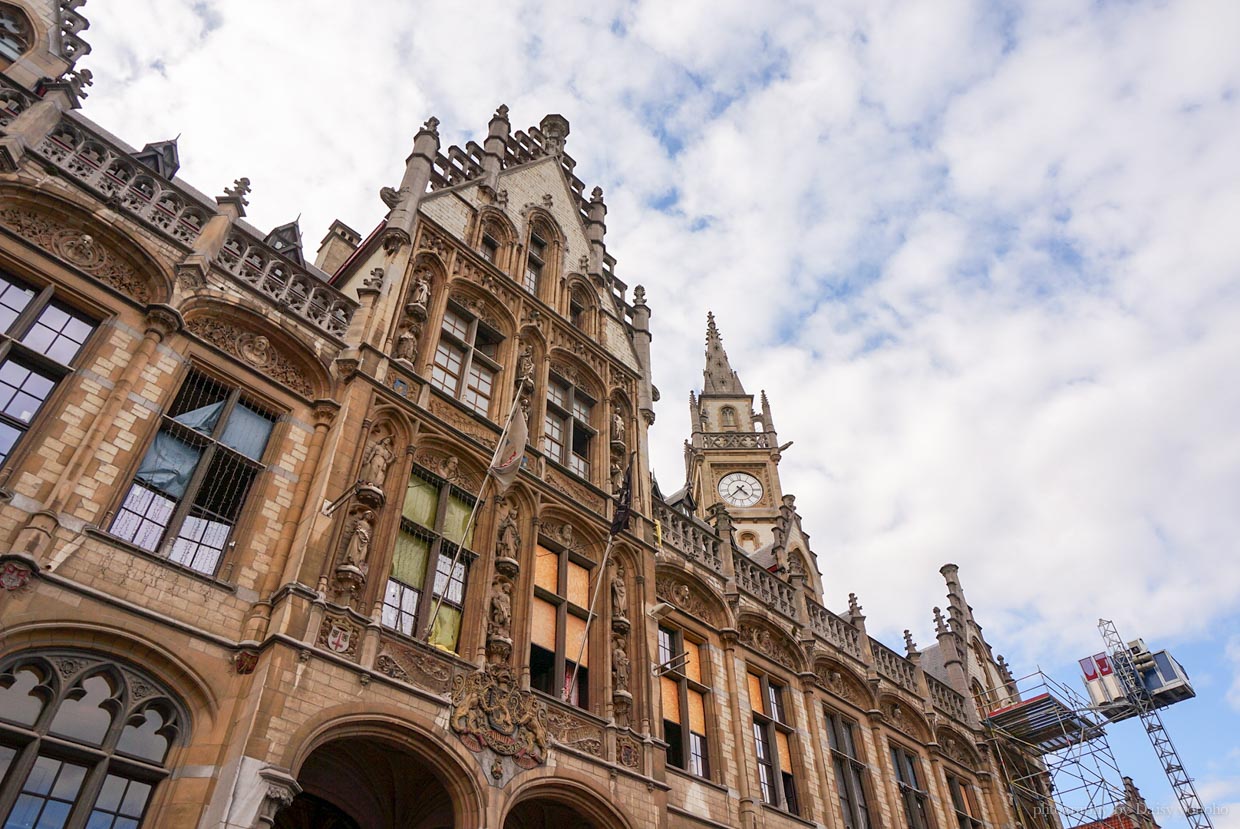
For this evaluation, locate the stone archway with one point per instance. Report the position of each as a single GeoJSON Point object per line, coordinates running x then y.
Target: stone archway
{"type": "Point", "coordinates": [547, 814]}
{"type": "Point", "coordinates": [365, 782]}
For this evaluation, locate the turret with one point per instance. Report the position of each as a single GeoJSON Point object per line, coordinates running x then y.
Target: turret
{"type": "Point", "coordinates": [404, 201]}
{"type": "Point", "coordinates": [498, 132]}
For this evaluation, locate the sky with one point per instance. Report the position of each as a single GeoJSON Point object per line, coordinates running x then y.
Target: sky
{"type": "Point", "coordinates": [982, 256]}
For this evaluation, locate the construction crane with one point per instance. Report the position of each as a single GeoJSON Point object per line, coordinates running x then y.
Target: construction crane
{"type": "Point", "coordinates": [1131, 667]}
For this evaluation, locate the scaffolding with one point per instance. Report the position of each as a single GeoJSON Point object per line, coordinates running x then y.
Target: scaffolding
{"type": "Point", "coordinates": [1053, 752]}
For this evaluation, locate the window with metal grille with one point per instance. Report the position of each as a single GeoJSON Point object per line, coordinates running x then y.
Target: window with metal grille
{"type": "Point", "coordinates": [912, 787]}
{"type": "Point", "coordinates": [567, 433]}
{"type": "Point", "coordinates": [534, 263]}
{"type": "Point", "coordinates": [39, 339]}
{"type": "Point", "coordinates": [772, 734]}
{"type": "Point", "coordinates": [189, 490]}
{"type": "Point", "coordinates": [432, 529]}
{"type": "Point", "coordinates": [968, 816]}
{"type": "Point", "coordinates": [558, 624]}
{"type": "Point", "coordinates": [684, 702]}
{"type": "Point", "coordinates": [464, 365]}
{"type": "Point", "coordinates": [850, 771]}
{"type": "Point", "coordinates": [78, 746]}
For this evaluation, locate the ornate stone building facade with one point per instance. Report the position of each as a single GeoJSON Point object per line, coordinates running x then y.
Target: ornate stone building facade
{"type": "Point", "coordinates": [254, 573]}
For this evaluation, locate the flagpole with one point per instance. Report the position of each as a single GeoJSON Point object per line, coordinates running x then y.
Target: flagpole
{"type": "Point", "coordinates": [430, 625]}
{"type": "Point", "coordinates": [619, 523]}
{"type": "Point", "coordinates": [585, 636]}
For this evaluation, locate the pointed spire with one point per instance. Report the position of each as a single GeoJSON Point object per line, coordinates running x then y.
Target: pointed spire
{"type": "Point", "coordinates": [768, 423]}
{"type": "Point", "coordinates": [719, 378]}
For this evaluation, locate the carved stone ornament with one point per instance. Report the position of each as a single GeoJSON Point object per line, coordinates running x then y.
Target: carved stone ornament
{"type": "Point", "coordinates": [78, 248]}
{"type": "Point", "coordinates": [955, 748]}
{"type": "Point", "coordinates": [899, 715]}
{"type": "Point", "coordinates": [463, 423]}
{"type": "Point", "coordinates": [430, 240]}
{"type": "Point", "coordinates": [251, 348]}
{"type": "Point", "coordinates": [447, 467]}
{"type": "Point", "coordinates": [573, 731]}
{"type": "Point", "coordinates": [842, 685]}
{"type": "Point", "coordinates": [628, 752]}
{"type": "Point", "coordinates": [406, 664]}
{"type": "Point", "coordinates": [377, 458]}
{"type": "Point", "coordinates": [678, 593]}
{"type": "Point", "coordinates": [768, 644]}
{"type": "Point", "coordinates": [340, 635]}
{"type": "Point", "coordinates": [490, 711]}
{"type": "Point", "coordinates": [244, 662]}
{"type": "Point", "coordinates": [15, 576]}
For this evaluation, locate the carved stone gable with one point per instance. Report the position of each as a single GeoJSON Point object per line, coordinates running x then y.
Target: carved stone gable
{"type": "Point", "coordinates": [688, 598]}
{"type": "Point", "coordinates": [771, 645]}
{"type": "Point", "coordinates": [252, 348]}
{"type": "Point", "coordinates": [843, 684]}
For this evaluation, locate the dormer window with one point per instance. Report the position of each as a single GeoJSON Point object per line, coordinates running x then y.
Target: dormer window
{"type": "Point", "coordinates": [534, 263]}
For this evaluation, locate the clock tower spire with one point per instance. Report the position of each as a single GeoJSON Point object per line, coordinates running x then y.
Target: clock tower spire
{"type": "Point", "coordinates": [733, 456]}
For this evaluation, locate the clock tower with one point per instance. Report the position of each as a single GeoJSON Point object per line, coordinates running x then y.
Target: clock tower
{"type": "Point", "coordinates": [733, 459]}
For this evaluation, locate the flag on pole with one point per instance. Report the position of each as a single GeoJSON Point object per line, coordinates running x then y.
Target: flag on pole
{"type": "Point", "coordinates": [511, 450]}
{"type": "Point", "coordinates": [624, 503]}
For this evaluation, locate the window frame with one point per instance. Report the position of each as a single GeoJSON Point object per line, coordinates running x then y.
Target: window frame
{"type": "Point", "coordinates": [439, 547]}
{"type": "Point", "coordinates": [853, 785]}
{"type": "Point", "coordinates": [565, 414]}
{"type": "Point", "coordinates": [782, 791]}
{"type": "Point", "coordinates": [99, 760]}
{"type": "Point", "coordinates": [211, 445]}
{"type": "Point", "coordinates": [965, 803]}
{"type": "Point", "coordinates": [14, 350]}
{"type": "Point", "coordinates": [685, 685]}
{"type": "Point", "coordinates": [914, 795]}
{"type": "Point", "coordinates": [534, 270]}
{"type": "Point", "coordinates": [564, 607]}
{"type": "Point", "coordinates": [470, 353]}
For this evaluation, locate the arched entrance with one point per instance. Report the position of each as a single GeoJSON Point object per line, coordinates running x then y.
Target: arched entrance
{"type": "Point", "coordinates": [365, 782]}
{"type": "Point", "coordinates": [562, 805]}
{"type": "Point", "coordinates": [547, 814]}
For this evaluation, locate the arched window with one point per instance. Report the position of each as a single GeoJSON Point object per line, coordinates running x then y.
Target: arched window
{"type": "Point", "coordinates": [567, 430]}
{"type": "Point", "coordinates": [83, 741]}
{"type": "Point", "coordinates": [749, 541]}
{"type": "Point", "coordinates": [727, 416]}
{"type": "Point", "coordinates": [492, 241]}
{"type": "Point", "coordinates": [851, 772]}
{"type": "Point", "coordinates": [15, 34]}
{"type": "Point", "coordinates": [465, 364]}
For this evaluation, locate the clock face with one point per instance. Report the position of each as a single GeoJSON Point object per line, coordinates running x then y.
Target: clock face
{"type": "Point", "coordinates": [740, 489]}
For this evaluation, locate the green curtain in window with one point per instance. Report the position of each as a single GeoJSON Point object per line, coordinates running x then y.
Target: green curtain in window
{"type": "Point", "coordinates": [409, 559]}
{"type": "Point", "coordinates": [446, 629]}
{"type": "Point", "coordinates": [421, 502]}
{"type": "Point", "coordinates": [454, 523]}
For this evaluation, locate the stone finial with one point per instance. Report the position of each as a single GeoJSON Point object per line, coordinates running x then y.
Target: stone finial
{"type": "Point", "coordinates": [639, 295]}
{"type": "Point", "coordinates": [78, 80]}
{"type": "Point", "coordinates": [910, 647]}
{"type": "Point", "coordinates": [596, 194]}
{"type": "Point", "coordinates": [940, 625]}
{"type": "Point", "coordinates": [501, 112]}
{"type": "Point", "coordinates": [854, 605]}
{"type": "Point", "coordinates": [1004, 670]}
{"type": "Point", "coordinates": [239, 190]}
{"type": "Point", "coordinates": [431, 126]}
{"type": "Point", "coordinates": [554, 128]}
{"type": "Point", "coordinates": [374, 281]}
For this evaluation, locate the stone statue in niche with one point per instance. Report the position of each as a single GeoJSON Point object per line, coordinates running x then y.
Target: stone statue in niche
{"type": "Point", "coordinates": [508, 543]}
{"type": "Point", "coordinates": [525, 366]}
{"type": "Point", "coordinates": [501, 607]}
{"type": "Point", "coordinates": [617, 427]}
{"type": "Point", "coordinates": [619, 664]}
{"type": "Point", "coordinates": [407, 341]}
{"type": "Point", "coordinates": [617, 477]}
{"type": "Point", "coordinates": [420, 296]}
{"type": "Point", "coordinates": [359, 539]}
{"type": "Point", "coordinates": [379, 456]}
{"type": "Point", "coordinates": [619, 594]}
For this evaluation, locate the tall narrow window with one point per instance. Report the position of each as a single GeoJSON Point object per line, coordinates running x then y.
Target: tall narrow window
{"type": "Point", "coordinates": [684, 702]}
{"type": "Point", "coordinates": [432, 530]}
{"type": "Point", "coordinates": [534, 263]}
{"type": "Point", "coordinates": [489, 248]}
{"type": "Point", "coordinates": [849, 770]}
{"type": "Point", "coordinates": [968, 816]}
{"type": "Point", "coordinates": [15, 34]}
{"type": "Point", "coordinates": [558, 624]}
{"type": "Point", "coordinates": [79, 745]}
{"type": "Point", "coordinates": [465, 364]}
{"type": "Point", "coordinates": [772, 734]}
{"type": "Point", "coordinates": [912, 787]}
{"type": "Point", "coordinates": [39, 339]}
{"type": "Point", "coordinates": [567, 435]}
{"type": "Point", "coordinates": [192, 483]}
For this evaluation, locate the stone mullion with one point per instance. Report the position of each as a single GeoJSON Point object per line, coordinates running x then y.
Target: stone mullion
{"type": "Point", "coordinates": [740, 733]}
{"type": "Point", "coordinates": [818, 745]}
